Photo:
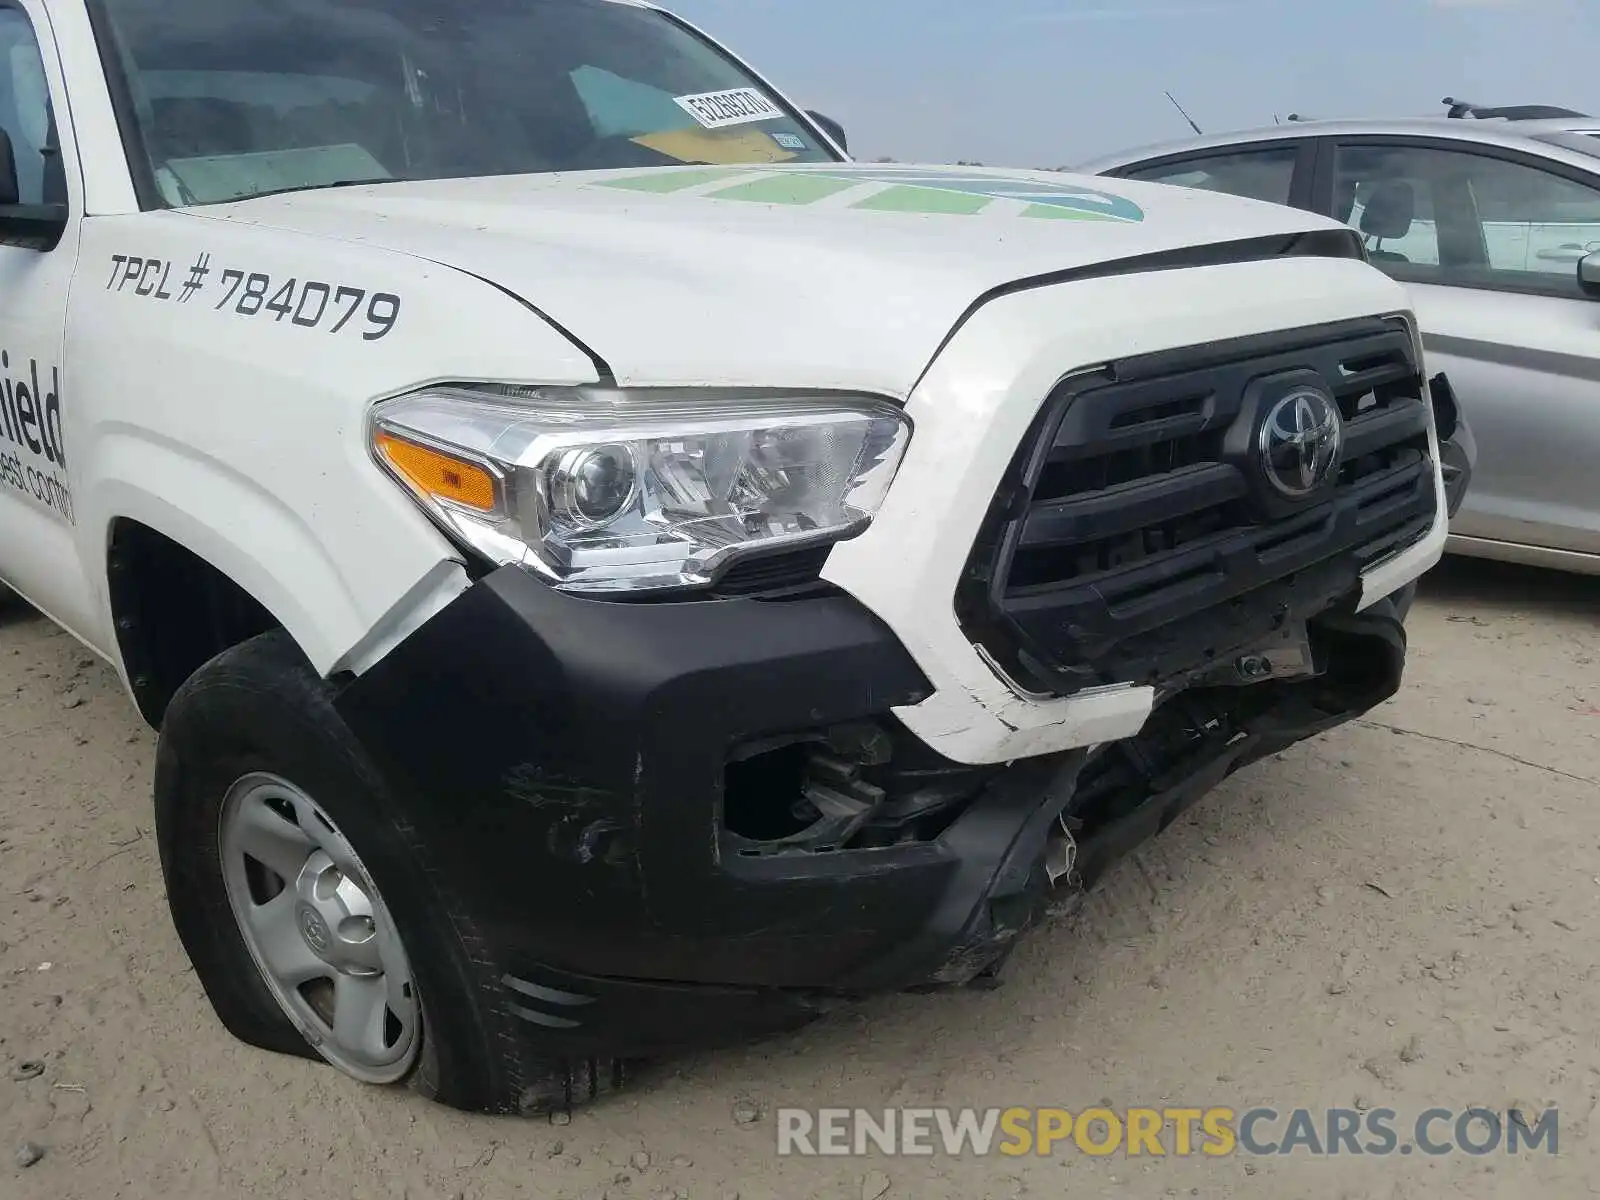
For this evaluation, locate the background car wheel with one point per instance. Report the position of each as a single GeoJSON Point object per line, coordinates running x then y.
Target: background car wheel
{"type": "Point", "coordinates": [303, 895]}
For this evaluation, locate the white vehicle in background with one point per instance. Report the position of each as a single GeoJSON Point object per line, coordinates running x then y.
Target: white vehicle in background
{"type": "Point", "coordinates": [610, 573]}
{"type": "Point", "coordinates": [1491, 217]}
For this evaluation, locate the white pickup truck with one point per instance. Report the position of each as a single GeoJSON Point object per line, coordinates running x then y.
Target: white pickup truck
{"type": "Point", "coordinates": [612, 574]}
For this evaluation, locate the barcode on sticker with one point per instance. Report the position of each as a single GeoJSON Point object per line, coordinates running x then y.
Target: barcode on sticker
{"type": "Point", "coordinates": [738, 106]}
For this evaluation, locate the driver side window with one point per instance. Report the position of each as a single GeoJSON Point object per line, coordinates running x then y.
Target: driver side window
{"type": "Point", "coordinates": [25, 112]}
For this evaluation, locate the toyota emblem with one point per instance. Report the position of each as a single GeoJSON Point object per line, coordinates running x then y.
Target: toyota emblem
{"type": "Point", "coordinates": [315, 931]}
{"type": "Point", "coordinates": [1300, 442]}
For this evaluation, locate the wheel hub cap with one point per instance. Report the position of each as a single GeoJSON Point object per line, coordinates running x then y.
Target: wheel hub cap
{"type": "Point", "coordinates": [336, 917]}
{"type": "Point", "coordinates": [318, 929]}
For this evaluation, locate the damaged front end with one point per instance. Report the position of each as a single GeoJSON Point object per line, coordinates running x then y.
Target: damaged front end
{"type": "Point", "coordinates": [679, 825]}
{"type": "Point", "coordinates": [683, 822]}
{"type": "Point", "coordinates": [1034, 834]}
{"type": "Point", "coordinates": [1133, 790]}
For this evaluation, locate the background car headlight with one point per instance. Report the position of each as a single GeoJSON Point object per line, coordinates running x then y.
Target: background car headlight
{"type": "Point", "coordinates": [604, 490]}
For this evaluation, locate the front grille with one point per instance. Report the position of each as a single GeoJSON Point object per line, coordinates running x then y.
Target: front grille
{"type": "Point", "coordinates": [1138, 538]}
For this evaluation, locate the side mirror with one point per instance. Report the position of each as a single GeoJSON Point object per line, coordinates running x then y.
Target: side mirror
{"type": "Point", "coordinates": [1589, 275]}
{"type": "Point", "coordinates": [832, 128]}
{"type": "Point", "coordinates": [30, 226]}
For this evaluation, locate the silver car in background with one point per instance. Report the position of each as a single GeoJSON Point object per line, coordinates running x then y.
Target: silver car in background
{"type": "Point", "coordinates": [1492, 218]}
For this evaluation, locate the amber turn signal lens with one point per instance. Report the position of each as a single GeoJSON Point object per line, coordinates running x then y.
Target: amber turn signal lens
{"type": "Point", "coordinates": [437, 474]}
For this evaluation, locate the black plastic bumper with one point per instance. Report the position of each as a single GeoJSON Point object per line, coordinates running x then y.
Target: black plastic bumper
{"type": "Point", "coordinates": [566, 759]}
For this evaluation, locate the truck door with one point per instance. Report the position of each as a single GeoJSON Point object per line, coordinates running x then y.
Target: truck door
{"type": "Point", "coordinates": [37, 259]}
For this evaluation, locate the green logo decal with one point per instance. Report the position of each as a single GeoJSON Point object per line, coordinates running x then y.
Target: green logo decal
{"type": "Point", "coordinates": [890, 189]}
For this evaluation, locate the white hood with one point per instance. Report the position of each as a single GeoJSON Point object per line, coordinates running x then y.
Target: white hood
{"type": "Point", "coordinates": [845, 276]}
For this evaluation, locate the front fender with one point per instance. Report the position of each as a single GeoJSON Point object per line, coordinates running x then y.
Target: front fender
{"type": "Point", "coordinates": [242, 435]}
{"type": "Point", "coordinates": [256, 539]}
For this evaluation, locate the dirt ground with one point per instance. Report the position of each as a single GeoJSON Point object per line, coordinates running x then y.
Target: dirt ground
{"type": "Point", "coordinates": [1403, 913]}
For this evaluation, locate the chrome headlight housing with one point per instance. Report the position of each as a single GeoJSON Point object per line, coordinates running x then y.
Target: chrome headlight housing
{"type": "Point", "coordinates": [607, 490]}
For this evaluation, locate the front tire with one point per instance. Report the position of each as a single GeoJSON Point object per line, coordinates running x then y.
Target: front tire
{"type": "Point", "coordinates": [300, 888]}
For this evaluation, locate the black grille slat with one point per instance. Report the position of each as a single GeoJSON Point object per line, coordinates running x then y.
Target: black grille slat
{"type": "Point", "coordinates": [1123, 509]}
{"type": "Point", "coordinates": [1375, 431]}
{"type": "Point", "coordinates": [1132, 545]}
{"type": "Point", "coordinates": [1243, 559]}
{"type": "Point", "coordinates": [1371, 379]}
{"type": "Point", "coordinates": [1129, 438]}
{"type": "Point", "coordinates": [1112, 422]}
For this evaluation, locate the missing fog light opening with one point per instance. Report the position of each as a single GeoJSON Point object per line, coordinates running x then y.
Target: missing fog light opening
{"type": "Point", "coordinates": [762, 793]}
{"type": "Point", "coordinates": [850, 787]}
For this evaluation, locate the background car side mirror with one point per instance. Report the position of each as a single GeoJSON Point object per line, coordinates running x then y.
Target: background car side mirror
{"type": "Point", "coordinates": [1589, 275]}
{"type": "Point", "coordinates": [31, 226]}
{"type": "Point", "coordinates": [832, 128]}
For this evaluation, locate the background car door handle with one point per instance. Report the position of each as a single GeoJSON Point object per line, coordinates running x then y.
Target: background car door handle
{"type": "Point", "coordinates": [1571, 254]}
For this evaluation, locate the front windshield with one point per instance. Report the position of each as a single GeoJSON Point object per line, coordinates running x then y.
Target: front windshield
{"type": "Point", "coordinates": [236, 98]}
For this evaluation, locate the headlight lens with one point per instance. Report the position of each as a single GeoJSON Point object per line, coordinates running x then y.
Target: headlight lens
{"type": "Point", "coordinates": [604, 490]}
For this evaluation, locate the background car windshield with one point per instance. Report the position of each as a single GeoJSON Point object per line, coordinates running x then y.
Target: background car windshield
{"type": "Point", "coordinates": [234, 98]}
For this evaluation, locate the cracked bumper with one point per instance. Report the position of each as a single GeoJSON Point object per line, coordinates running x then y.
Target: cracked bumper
{"type": "Point", "coordinates": [567, 758]}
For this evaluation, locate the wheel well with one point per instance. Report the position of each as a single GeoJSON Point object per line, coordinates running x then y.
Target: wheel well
{"type": "Point", "coordinates": [174, 613]}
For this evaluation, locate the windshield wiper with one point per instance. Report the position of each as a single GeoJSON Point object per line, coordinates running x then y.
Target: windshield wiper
{"type": "Point", "coordinates": [322, 187]}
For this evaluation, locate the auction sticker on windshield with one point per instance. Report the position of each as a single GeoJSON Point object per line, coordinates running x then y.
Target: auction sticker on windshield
{"type": "Point", "coordinates": [737, 106]}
